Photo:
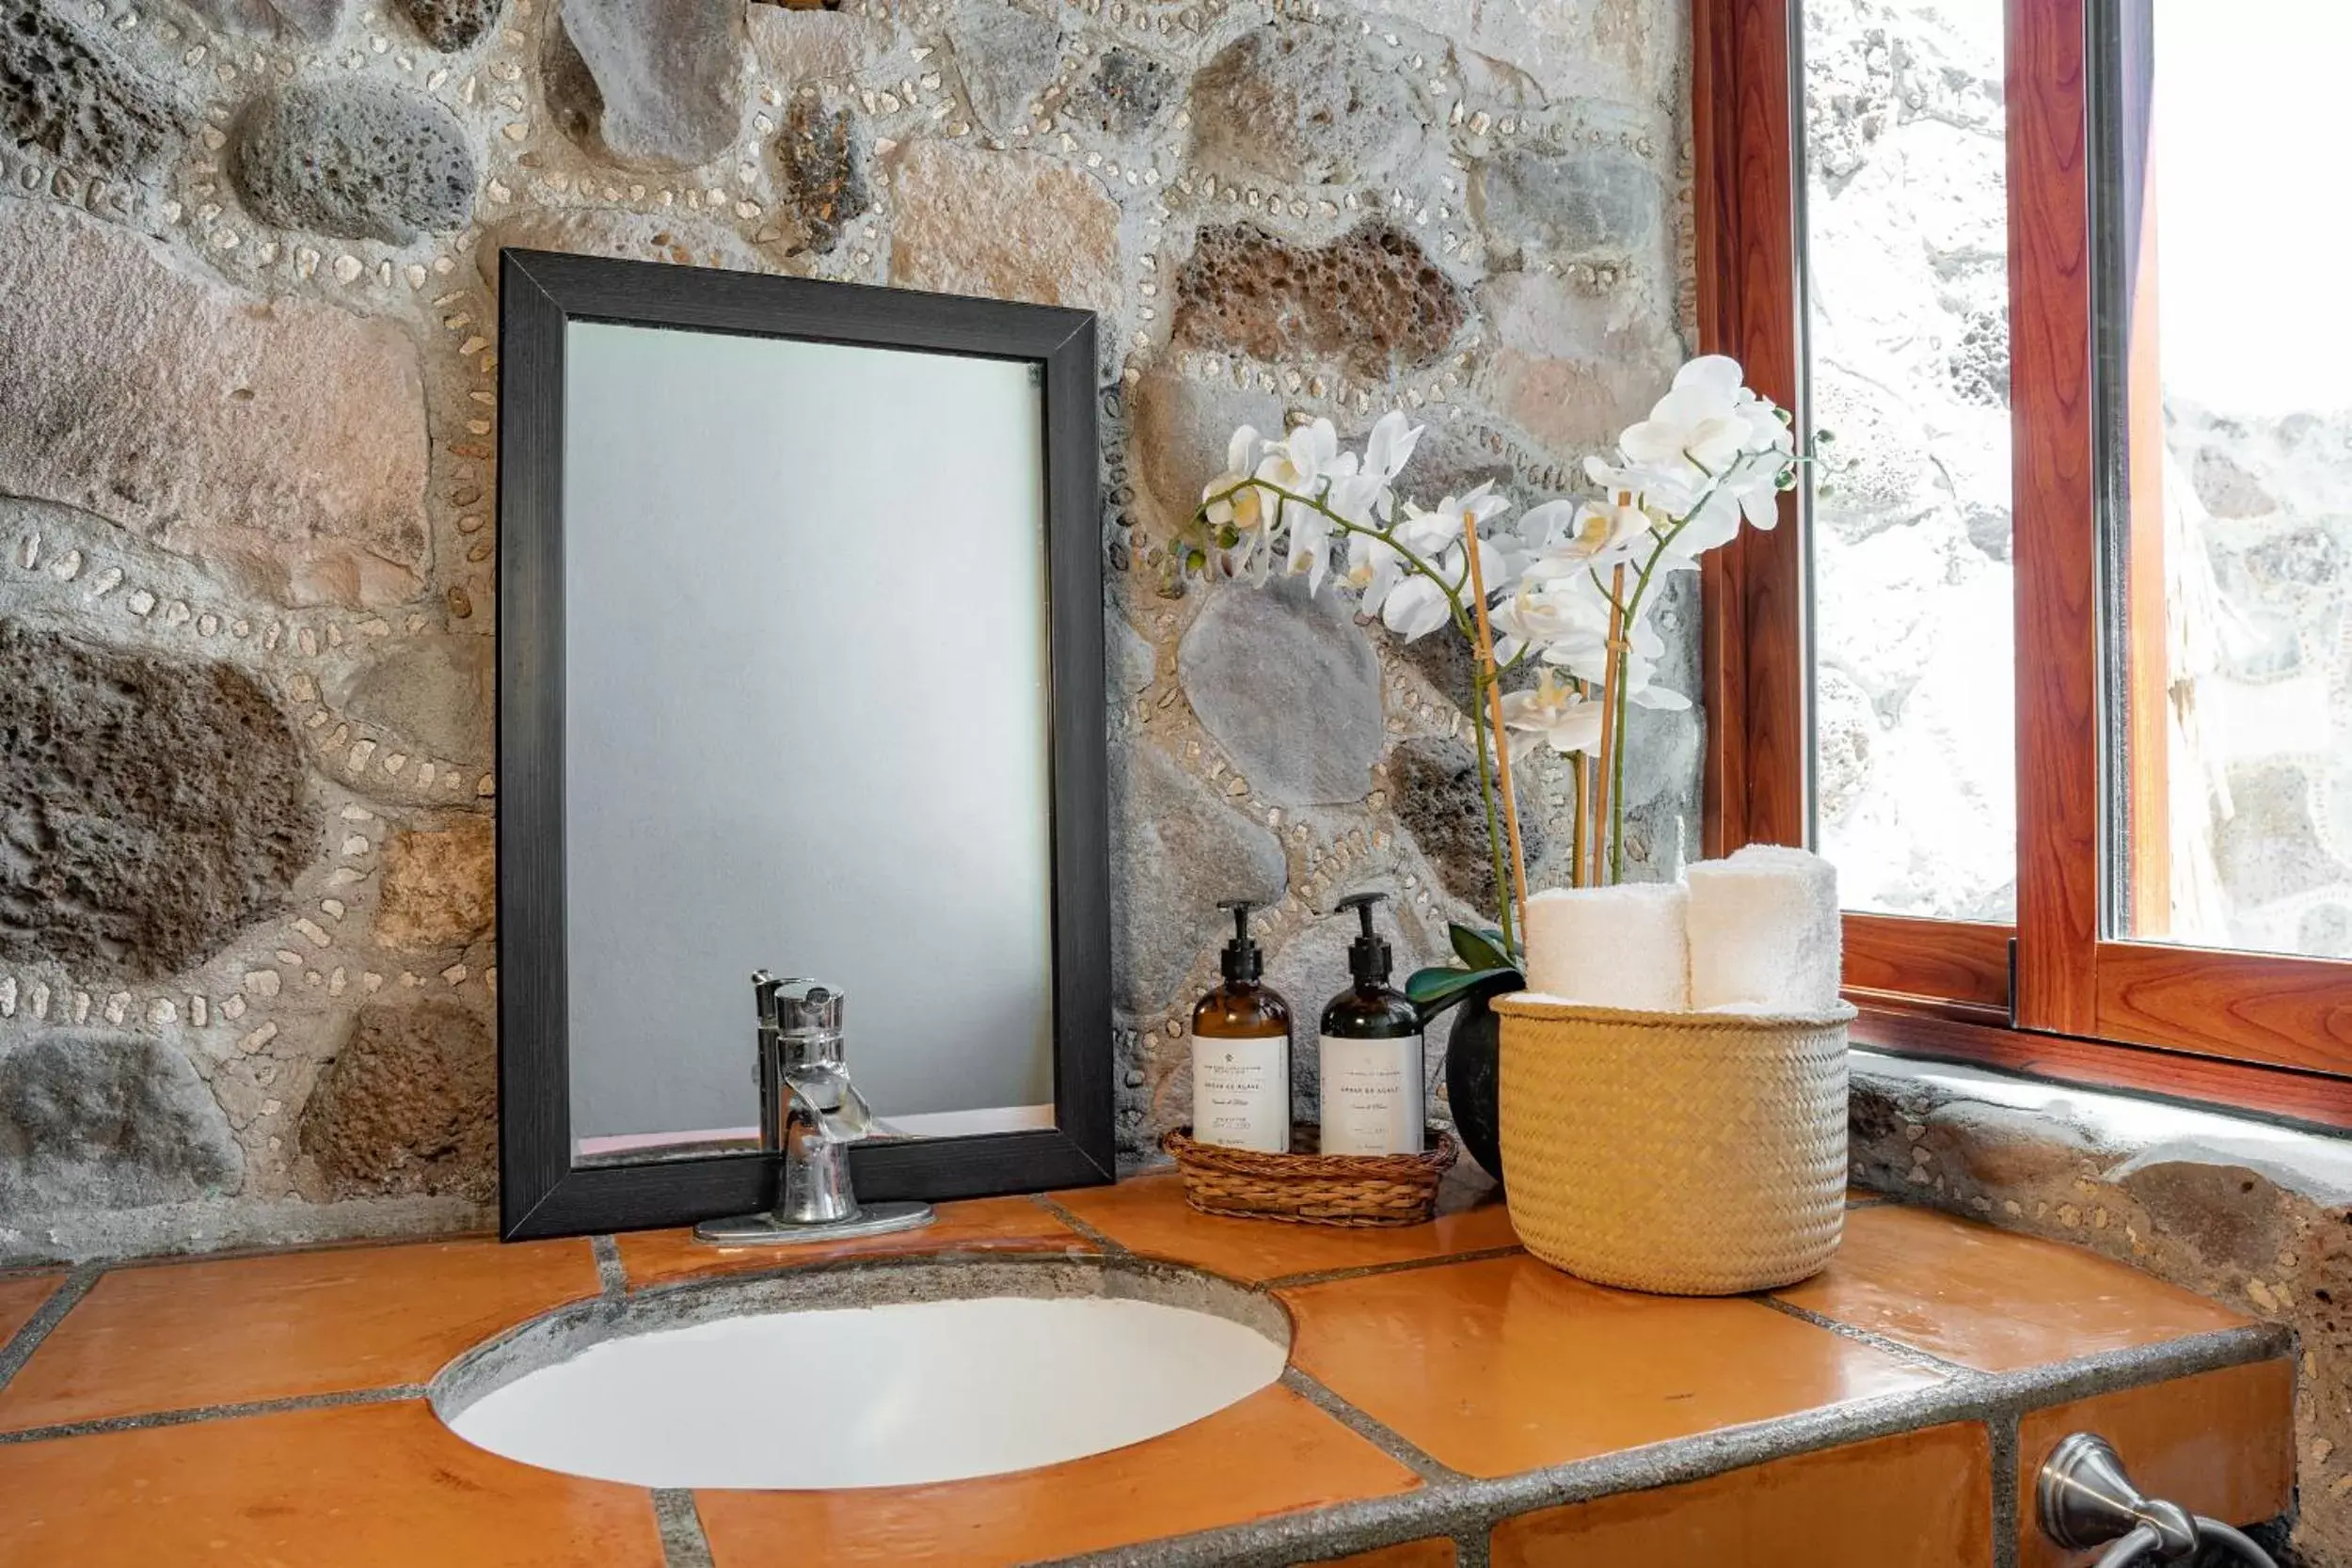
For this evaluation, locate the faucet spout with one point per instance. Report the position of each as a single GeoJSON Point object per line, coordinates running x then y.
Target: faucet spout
{"type": "Point", "coordinates": [811, 1113]}
{"type": "Point", "coordinates": [815, 1182]}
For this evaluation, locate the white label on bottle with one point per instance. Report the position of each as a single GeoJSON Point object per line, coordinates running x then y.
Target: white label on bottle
{"type": "Point", "coordinates": [1372, 1095]}
{"type": "Point", "coordinates": [1241, 1092]}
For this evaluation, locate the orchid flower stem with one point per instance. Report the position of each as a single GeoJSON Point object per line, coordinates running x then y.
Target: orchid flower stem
{"type": "Point", "coordinates": [1492, 681]}
{"type": "Point", "coordinates": [1578, 766]}
{"type": "Point", "coordinates": [1606, 864]}
{"type": "Point", "coordinates": [1616, 789]}
{"type": "Point", "coordinates": [1460, 614]}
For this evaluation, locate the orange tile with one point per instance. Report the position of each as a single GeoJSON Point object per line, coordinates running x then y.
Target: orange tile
{"type": "Point", "coordinates": [985, 1224]}
{"type": "Point", "coordinates": [178, 1336]}
{"type": "Point", "coordinates": [21, 1296]}
{"type": "Point", "coordinates": [1505, 1365]}
{"type": "Point", "coordinates": [1991, 1299]}
{"type": "Point", "coordinates": [1149, 1214]}
{"type": "Point", "coordinates": [1271, 1453]}
{"type": "Point", "coordinates": [1919, 1500]}
{"type": "Point", "coordinates": [2220, 1444]}
{"type": "Point", "coordinates": [1410, 1554]}
{"type": "Point", "coordinates": [357, 1486]}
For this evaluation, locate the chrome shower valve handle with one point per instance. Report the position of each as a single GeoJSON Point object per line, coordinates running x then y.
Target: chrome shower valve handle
{"type": "Point", "coordinates": [2084, 1500]}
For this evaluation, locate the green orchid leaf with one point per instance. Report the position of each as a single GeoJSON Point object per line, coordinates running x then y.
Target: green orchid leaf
{"type": "Point", "coordinates": [1434, 990]}
{"type": "Point", "coordinates": [1479, 949]}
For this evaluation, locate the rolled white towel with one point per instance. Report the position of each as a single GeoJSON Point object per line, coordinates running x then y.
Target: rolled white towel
{"type": "Point", "coordinates": [1764, 931]}
{"type": "Point", "coordinates": [1622, 947]}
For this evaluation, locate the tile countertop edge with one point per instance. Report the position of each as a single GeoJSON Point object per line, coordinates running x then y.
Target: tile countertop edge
{"type": "Point", "coordinates": [1467, 1508]}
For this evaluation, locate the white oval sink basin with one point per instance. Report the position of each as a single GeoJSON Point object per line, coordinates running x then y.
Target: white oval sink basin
{"type": "Point", "coordinates": [873, 1396]}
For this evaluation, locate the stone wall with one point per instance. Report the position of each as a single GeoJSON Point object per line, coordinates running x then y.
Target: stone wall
{"type": "Point", "coordinates": [248, 975]}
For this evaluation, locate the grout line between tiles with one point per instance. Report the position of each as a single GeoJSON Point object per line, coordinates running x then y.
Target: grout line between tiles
{"type": "Point", "coordinates": [194, 1413]}
{"type": "Point", "coordinates": [683, 1544]}
{"type": "Point", "coordinates": [611, 1277]}
{"type": "Point", "coordinates": [1402, 1265]}
{"type": "Point", "coordinates": [1909, 1355]}
{"type": "Point", "coordinates": [1063, 1212]}
{"type": "Point", "coordinates": [1379, 1434]}
{"type": "Point", "coordinates": [1473, 1549]}
{"type": "Point", "coordinates": [20, 1346]}
{"type": "Point", "coordinates": [2007, 1504]}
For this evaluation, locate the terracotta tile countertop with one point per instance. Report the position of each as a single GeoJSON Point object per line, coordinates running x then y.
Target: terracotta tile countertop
{"type": "Point", "coordinates": [1447, 1400]}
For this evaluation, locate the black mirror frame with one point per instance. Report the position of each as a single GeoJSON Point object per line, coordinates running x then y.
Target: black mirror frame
{"type": "Point", "coordinates": [541, 1191]}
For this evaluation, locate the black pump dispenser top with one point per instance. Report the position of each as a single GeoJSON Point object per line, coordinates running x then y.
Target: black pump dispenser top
{"type": "Point", "coordinates": [1368, 957]}
{"type": "Point", "coordinates": [1243, 962]}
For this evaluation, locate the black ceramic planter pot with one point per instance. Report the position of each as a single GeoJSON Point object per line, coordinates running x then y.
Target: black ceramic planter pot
{"type": "Point", "coordinates": [1474, 1083]}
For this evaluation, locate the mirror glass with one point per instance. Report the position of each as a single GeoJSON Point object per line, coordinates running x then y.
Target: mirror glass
{"type": "Point", "coordinates": [807, 705]}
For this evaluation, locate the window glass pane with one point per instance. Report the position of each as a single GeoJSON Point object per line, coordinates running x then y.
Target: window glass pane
{"type": "Point", "coordinates": [1907, 332]}
{"type": "Point", "coordinates": [2231, 259]}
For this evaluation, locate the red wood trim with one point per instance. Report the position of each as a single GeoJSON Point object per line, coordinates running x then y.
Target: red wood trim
{"type": "Point", "coordinates": [2255, 1007]}
{"type": "Point", "coordinates": [2056, 498]}
{"type": "Point", "coordinates": [2324, 1102]}
{"type": "Point", "coordinates": [1949, 960]}
{"type": "Point", "coordinates": [1752, 591]}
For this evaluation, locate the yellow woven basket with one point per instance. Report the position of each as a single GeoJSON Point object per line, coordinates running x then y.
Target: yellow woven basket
{"type": "Point", "coordinates": [1689, 1154]}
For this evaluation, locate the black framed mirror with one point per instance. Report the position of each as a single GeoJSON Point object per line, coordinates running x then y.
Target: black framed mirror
{"type": "Point", "coordinates": [799, 668]}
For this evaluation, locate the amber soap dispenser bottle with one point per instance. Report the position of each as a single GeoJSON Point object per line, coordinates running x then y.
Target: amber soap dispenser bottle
{"type": "Point", "coordinates": [1241, 1053]}
{"type": "Point", "coordinates": [1371, 1053]}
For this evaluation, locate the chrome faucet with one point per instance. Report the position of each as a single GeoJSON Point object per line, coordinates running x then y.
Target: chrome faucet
{"type": "Point", "coordinates": [810, 1113]}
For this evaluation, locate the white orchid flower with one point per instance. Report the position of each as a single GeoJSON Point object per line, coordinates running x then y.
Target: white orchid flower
{"type": "Point", "coordinates": [1415, 608]}
{"type": "Point", "coordinates": [1699, 422]}
{"type": "Point", "coordinates": [1310, 549]}
{"type": "Point", "coordinates": [1362, 494]}
{"type": "Point", "coordinates": [1391, 444]}
{"type": "Point", "coordinates": [1566, 614]}
{"type": "Point", "coordinates": [1567, 720]}
{"type": "Point", "coordinates": [1296, 461]}
{"type": "Point", "coordinates": [1374, 566]}
{"type": "Point", "coordinates": [1228, 506]}
{"type": "Point", "coordinates": [1596, 535]}
{"type": "Point", "coordinates": [1636, 670]}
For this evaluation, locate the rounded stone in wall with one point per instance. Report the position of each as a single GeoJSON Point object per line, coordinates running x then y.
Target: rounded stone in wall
{"type": "Point", "coordinates": [450, 25]}
{"type": "Point", "coordinates": [358, 160]}
{"type": "Point", "coordinates": [1182, 429]}
{"type": "Point", "coordinates": [1290, 686]}
{"type": "Point", "coordinates": [1372, 299]}
{"type": "Point", "coordinates": [93, 1118]}
{"type": "Point", "coordinates": [1007, 54]}
{"type": "Point", "coordinates": [408, 1106]}
{"type": "Point", "coordinates": [152, 809]}
{"type": "Point", "coordinates": [652, 83]}
{"type": "Point", "coordinates": [1434, 781]}
{"type": "Point", "coordinates": [1122, 96]}
{"type": "Point", "coordinates": [62, 93]}
{"type": "Point", "coordinates": [1580, 203]}
{"type": "Point", "coordinates": [1179, 850]}
{"type": "Point", "coordinates": [1302, 105]}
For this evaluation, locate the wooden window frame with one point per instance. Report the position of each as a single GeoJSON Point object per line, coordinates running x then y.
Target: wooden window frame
{"type": "Point", "coordinates": [2063, 999]}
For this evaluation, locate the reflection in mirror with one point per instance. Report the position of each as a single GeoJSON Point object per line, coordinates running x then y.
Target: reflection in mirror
{"type": "Point", "coordinates": [807, 700]}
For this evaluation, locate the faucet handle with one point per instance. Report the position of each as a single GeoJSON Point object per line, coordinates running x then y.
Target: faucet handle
{"type": "Point", "coordinates": [764, 997]}
{"type": "Point", "coordinates": [807, 1009]}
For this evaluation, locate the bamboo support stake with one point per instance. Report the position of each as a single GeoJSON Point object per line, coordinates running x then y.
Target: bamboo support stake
{"type": "Point", "coordinates": [1610, 740]}
{"type": "Point", "coordinates": [1494, 709]}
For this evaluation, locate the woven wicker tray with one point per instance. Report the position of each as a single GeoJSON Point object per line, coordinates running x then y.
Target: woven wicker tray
{"type": "Point", "coordinates": [1308, 1188]}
